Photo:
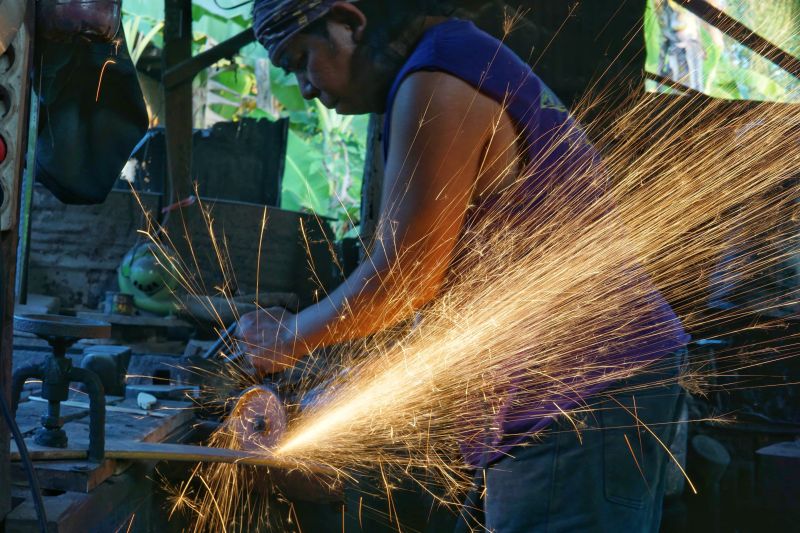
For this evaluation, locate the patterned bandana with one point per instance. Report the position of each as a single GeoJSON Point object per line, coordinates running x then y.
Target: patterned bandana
{"type": "Point", "coordinates": [275, 21]}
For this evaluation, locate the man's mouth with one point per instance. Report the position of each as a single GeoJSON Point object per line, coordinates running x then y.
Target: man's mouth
{"type": "Point", "coordinates": [330, 103]}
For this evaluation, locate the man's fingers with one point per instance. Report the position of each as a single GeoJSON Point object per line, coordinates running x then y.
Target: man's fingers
{"type": "Point", "coordinates": [263, 365]}
{"type": "Point", "coordinates": [276, 314]}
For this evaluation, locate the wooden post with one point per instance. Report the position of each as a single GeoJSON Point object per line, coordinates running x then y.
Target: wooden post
{"type": "Point", "coordinates": [372, 185]}
{"type": "Point", "coordinates": [178, 99]}
{"type": "Point", "coordinates": [8, 249]}
{"type": "Point", "coordinates": [15, 84]}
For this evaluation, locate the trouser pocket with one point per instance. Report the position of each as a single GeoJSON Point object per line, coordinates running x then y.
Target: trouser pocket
{"type": "Point", "coordinates": [633, 458]}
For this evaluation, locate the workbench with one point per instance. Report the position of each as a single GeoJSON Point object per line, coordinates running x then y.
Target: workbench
{"type": "Point", "coordinates": [82, 496]}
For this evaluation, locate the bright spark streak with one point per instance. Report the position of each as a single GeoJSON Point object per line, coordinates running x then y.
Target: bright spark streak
{"type": "Point", "coordinates": [100, 80]}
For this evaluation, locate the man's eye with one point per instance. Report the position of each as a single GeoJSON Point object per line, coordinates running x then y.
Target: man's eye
{"type": "Point", "coordinates": [292, 64]}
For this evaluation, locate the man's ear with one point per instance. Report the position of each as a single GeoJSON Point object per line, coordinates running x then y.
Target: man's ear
{"type": "Point", "coordinates": [348, 14]}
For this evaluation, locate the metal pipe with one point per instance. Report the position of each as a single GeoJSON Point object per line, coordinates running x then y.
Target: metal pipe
{"type": "Point", "coordinates": [22, 375]}
{"type": "Point", "coordinates": [97, 411]}
{"type": "Point", "coordinates": [24, 246]}
{"type": "Point", "coordinates": [54, 409]}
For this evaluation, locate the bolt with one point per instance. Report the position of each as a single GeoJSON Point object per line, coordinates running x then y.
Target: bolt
{"type": "Point", "coordinates": [260, 424]}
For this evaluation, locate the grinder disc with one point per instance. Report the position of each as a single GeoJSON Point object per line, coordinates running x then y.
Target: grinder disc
{"type": "Point", "coordinates": [259, 419]}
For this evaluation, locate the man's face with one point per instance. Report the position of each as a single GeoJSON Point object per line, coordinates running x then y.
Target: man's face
{"type": "Point", "coordinates": [323, 66]}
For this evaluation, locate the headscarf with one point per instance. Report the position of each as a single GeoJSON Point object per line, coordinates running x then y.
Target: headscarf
{"type": "Point", "coordinates": [275, 21]}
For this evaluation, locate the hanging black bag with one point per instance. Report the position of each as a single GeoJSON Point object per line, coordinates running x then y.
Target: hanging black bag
{"type": "Point", "coordinates": [92, 114]}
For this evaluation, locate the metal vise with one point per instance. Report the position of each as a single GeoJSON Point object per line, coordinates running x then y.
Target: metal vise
{"type": "Point", "coordinates": [57, 373]}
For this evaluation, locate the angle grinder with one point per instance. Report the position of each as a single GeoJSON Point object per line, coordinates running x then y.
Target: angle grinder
{"type": "Point", "coordinates": [256, 415]}
{"type": "Point", "coordinates": [258, 420]}
{"type": "Point", "coordinates": [257, 424]}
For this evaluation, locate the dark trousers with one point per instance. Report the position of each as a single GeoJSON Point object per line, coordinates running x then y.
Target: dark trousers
{"type": "Point", "coordinates": [611, 478]}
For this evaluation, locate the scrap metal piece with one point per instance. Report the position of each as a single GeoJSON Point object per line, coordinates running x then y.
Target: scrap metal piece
{"type": "Point", "coordinates": [146, 401]}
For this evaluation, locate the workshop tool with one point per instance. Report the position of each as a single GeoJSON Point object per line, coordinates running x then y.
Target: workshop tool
{"type": "Point", "coordinates": [225, 338]}
{"type": "Point", "coordinates": [147, 273]}
{"type": "Point", "coordinates": [110, 363]}
{"type": "Point", "coordinates": [57, 373]}
{"type": "Point", "coordinates": [220, 375]}
{"type": "Point", "coordinates": [258, 420]}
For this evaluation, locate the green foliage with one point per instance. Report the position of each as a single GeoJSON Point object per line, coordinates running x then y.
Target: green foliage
{"type": "Point", "coordinates": [325, 154]}
{"type": "Point", "coordinates": [144, 33]}
{"type": "Point", "coordinates": [729, 69]}
{"type": "Point", "coordinates": [652, 34]}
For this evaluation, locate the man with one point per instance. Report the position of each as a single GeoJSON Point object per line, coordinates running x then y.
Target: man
{"type": "Point", "coordinates": [466, 120]}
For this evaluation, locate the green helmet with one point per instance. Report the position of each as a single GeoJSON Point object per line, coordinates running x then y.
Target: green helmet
{"type": "Point", "coordinates": [146, 272]}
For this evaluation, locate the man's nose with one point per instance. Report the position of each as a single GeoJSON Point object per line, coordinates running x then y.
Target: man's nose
{"type": "Point", "coordinates": [307, 88]}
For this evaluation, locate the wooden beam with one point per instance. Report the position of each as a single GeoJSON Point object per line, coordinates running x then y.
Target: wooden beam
{"type": "Point", "coordinates": [15, 132]}
{"type": "Point", "coordinates": [178, 99]}
{"type": "Point", "coordinates": [372, 187]}
{"type": "Point", "coordinates": [185, 71]}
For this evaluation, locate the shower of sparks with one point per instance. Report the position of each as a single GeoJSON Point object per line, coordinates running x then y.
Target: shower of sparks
{"type": "Point", "coordinates": [536, 294]}
{"type": "Point", "coordinates": [539, 300]}
{"type": "Point", "coordinates": [100, 80]}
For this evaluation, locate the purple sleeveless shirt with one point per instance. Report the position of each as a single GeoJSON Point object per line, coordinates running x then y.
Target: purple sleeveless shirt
{"type": "Point", "coordinates": [459, 48]}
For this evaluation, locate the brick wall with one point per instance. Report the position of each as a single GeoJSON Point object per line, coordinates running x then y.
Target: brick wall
{"type": "Point", "coordinates": [75, 250]}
